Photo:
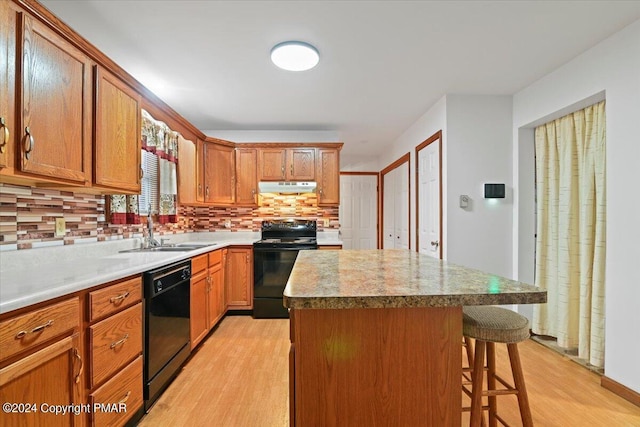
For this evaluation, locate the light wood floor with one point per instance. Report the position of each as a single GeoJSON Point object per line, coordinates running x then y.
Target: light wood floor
{"type": "Point", "coordinates": [239, 377]}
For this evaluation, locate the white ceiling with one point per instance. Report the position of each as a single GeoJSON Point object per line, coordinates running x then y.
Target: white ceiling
{"type": "Point", "coordinates": [383, 63]}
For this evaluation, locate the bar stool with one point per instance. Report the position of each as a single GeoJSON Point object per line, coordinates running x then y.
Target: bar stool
{"type": "Point", "coordinates": [489, 325]}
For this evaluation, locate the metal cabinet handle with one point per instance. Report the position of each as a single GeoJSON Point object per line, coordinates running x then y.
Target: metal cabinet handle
{"type": "Point", "coordinates": [29, 142]}
{"type": "Point", "coordinates": [5, 134]}
{"type": "Point", "coordinates": [126, 397]}
{"type": "Point", "coordinates": [40, 328]}
{"type": "Point", "coordinates": [119, 298]}
{"type": "Point", "coordinates": [206, 191]}
{"type": "Point", "coordinates": [282, 170]}
{"type": "Point", "coordinates": [435, 243]}
{"type": "Point", "coordinates": [291, 168]}
{"type": "Point", "coordinates": [119, 342]}
{"type": "Point", "coordinates": [76, 353]}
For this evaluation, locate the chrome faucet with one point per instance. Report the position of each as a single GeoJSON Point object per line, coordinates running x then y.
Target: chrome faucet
{"type": "Point", "coordinates": [152, 242]}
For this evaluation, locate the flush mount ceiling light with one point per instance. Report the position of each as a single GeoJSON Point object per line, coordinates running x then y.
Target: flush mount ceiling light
{"type": "Point", "coordinates": [295, 56]}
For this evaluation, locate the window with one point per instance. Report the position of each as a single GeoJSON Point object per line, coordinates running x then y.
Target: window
{"type": "Point", "coordinates": [149, 193]}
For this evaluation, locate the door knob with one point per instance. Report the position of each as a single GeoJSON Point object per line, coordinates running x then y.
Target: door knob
{"type": "Point", "coordinates": [435, 243]}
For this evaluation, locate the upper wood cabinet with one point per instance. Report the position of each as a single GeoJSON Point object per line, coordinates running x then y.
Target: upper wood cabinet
{"type": "Point", "coordinates": [328, 172]}
{"type": "Point", "coordinates": [247, 177]}
{"type": "Point", "coordinates": [8, 18]}
{"type": "Point", "coordinates": [219, 172]}
{"type": "Point", "coordinates": [187, 172]}
{"type": "Point", "coordinates": [117, 143]}
{"type": "Point", "coordinates": [54, 112]}
{"type": "Point", "coordinates": [286, 164]}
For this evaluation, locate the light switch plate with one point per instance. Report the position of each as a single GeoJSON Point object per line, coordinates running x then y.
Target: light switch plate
{"type": "Point", "coordinates": [325, 222]}
{"type": "Point", "coordinates": [60, 227]}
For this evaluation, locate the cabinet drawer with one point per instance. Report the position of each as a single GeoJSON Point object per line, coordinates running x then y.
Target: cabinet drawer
{"type": "Point", "coordinates": [114, 342]}
{"type": "Point", "coordinates": [198, 263]}
{"type": "Point", "coordinates": [28, 330]}
{"type": "Point", "coordinates": [215, 257]}
{"type": "Point", "coordinates": [125, 388]}
{"type": "Point", "coordinates": [111, 299]}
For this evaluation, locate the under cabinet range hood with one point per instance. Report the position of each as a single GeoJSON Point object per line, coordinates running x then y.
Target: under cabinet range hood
{"type": "Point", "coordinates": [287, 187]}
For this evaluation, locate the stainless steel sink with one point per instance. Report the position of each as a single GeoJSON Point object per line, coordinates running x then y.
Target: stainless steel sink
{"type": "Point", "coordinates": [180, 247]}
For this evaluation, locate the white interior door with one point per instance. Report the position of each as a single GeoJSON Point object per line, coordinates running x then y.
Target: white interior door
{"type": "Point", "coordinates": [388, 228]}
{"type": "Point", "coordinates": [401, 201]}
{"type": "Point", "coordinates": [429, 200]}
{"type": "Point", "coordinates": [359, 211]}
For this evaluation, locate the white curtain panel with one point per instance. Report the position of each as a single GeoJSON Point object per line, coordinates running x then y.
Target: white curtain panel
{"type": "Point", "coordinates": [571, 225]}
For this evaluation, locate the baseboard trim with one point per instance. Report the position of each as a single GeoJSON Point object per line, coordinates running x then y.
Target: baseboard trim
{"type": "Point", "coordinates": [621, 390]}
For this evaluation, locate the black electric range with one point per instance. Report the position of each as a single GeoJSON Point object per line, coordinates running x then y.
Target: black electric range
{"type": "Point", "coordinates": [273, 259]}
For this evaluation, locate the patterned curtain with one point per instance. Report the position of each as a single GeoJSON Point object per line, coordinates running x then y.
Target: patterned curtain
{"type": "Point", "coordinates": [124, 209]}
{"type": "Point", "coordinates": [160, 140]}
{"type": "Point", "coordinates": [168, 155]}
{"type": "Point", "coordinates": [570, 244]}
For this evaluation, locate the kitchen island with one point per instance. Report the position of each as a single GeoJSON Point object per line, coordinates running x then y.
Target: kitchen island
{"type": "Point", "coordinates": [376, 335]}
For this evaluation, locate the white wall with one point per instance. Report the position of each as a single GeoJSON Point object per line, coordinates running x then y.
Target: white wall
{"type": "Point", "coordinates": [432, 121]}
{"type": "Point", "coordinates": [612, 66]}
{"type": "Point", "coordinates": [479, 145]}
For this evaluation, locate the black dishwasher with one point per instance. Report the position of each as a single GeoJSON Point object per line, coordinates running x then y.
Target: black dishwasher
{"type": "Point", "coordinates": [166, 326]}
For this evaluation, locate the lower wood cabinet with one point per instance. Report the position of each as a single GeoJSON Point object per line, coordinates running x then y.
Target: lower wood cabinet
{"type": "Point", "coordinates": [45, 374]}
{"type": "Point", "coordinates": [207, 293]}
{"type": "Point", "coordinates": [239, 280]}
{"type": "Point", "coordinates": [112, 402]}
{"type": "Point", "coordinates": [114, 337]}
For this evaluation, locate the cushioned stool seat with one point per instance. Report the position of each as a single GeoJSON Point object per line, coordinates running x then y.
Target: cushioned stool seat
{"type": "Point", "coordinates": [490, 325]}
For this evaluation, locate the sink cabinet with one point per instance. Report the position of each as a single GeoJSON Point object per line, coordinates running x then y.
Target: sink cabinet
{"type": "Point", "coordinates": [41, 362]}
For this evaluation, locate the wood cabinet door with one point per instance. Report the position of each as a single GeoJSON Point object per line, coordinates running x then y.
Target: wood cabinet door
{"type": "Point", "coordinates": [52, 376]}
{"type": "Point", "coordinates": [187, 172]}
{"type": "Point", "coordinates": [117, 140]}
{"type": "Point", "coordinates": [247, 177]}
{"type": "Point", "coordinates": [198, 306]}
{"type": "Point", "coordinates": [272, 164]}
{"type": "Point", "coordinates": [239, 291]}
{"type": "Point", "coordinates": [55, 106]}
{"type": "Point", "coordinates": [328, 177]}
{"type": "Point", "coordinates": [8, 18]}
{"type": "Point", "coordinates": [214, 297]}
{"type": "Point", "coordinates": [200, 171]}
{"type": "Point", "coordinates": [219, 169]}
{"type": "Point", "coordinates": [301, 164]}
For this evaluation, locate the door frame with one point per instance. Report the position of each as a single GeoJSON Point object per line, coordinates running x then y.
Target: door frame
{"type": "Point", "coordinates": [379, 213]}
{"type": "Point", "coordinates": [433, 138]}
{"type": "Point", "coordinates": [402, 160]}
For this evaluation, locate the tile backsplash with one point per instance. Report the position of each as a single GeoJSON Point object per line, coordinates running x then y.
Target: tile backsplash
{"type": "Point", "coordinates": [28, 214]}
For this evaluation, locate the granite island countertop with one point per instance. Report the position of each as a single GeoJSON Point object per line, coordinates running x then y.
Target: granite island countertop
{"type": "Point", "coordinates": [396, 278]}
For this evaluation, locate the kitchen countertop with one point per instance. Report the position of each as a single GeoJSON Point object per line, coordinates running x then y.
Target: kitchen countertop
{"type": "Point", "coordinates": [35, 275]}
{"type": "Point", "coordinates": [396, 278]}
